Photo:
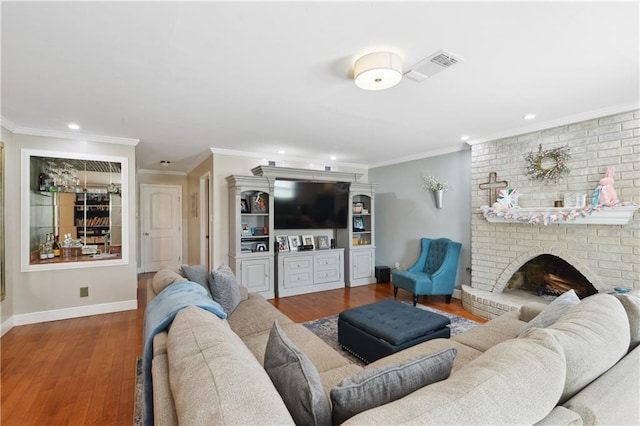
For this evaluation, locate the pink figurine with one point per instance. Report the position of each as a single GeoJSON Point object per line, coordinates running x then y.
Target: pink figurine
{"type": "Point", "coordinates": [606, 193]}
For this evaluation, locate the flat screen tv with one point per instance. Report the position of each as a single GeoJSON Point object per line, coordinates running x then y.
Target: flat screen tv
{"type": "Point", "coordinates": [310, 205]}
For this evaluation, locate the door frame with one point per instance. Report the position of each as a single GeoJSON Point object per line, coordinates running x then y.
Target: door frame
{"type": "Point", "coordinates": [143, 253]}
{"type": "Point", "coordinates": [206, 220]}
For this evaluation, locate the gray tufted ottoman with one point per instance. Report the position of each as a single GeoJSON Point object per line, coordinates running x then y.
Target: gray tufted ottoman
{"type": "Point", "coordinates": [373, 331]}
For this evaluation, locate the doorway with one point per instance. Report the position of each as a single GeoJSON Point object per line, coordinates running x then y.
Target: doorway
{"type": "Point", "coordinates": [160, 226]}
{"type": "Point", "coordinates": [205, 220]}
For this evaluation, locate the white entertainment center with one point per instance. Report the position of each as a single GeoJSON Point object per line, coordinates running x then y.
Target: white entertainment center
{"type": "Point", "coordinates": [253, 254]}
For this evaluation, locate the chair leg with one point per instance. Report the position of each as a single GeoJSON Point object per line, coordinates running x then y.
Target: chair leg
{"type": "Point", "coordinates": [395, 291]}
{"type": "Point", "coordinates": [415, 299]}
{"type": "Point", "coordinates": [447, 298]}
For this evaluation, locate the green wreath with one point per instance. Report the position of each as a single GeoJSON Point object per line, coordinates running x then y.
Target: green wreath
{"type": "Point", "coordinates": [548, 165]}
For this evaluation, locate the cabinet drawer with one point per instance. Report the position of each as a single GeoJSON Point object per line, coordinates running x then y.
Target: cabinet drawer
{"type": "Point", "coordinates": [326, 275]}
{"type": "Point", "coordinates": [298, 279]}
{"type": "Point", "coordinates": [297, 264]}
{"type": "Point", "coordinates": [328, 261]}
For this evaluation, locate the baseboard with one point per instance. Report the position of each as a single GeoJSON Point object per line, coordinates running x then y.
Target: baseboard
{"type": "Point", "coordinates": [457, 294]}
{"type": "Point", "coordinates": [6, 326]}
{"type": "Point", "coordinates": [67, 313]}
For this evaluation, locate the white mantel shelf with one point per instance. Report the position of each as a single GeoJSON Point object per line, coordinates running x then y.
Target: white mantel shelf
{"type": "Point", "coordinates": [620, 215]}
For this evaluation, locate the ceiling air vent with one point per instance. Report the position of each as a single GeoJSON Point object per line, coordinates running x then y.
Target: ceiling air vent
{"type": "Point", "coordinates": [431, 65]}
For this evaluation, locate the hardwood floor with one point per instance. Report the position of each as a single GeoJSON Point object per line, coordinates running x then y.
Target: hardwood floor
{"type": "Point", "coordinates": [82, 371]}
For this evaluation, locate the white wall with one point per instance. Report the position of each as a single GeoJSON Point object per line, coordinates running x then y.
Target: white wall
{"type": "Point", "coordinates": [11, 227]}
{"type": "Point", "coordinates": [404, 213]}
{"type": "Point", "coordinates": [45, 295]}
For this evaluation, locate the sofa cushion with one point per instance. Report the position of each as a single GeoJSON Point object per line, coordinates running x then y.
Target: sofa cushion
{"type": "Point", "coordinates": [518, 381]}
{"type": "Point", "coordinates": [611, 399]}
{"type": "Point", "coordinates": [553, 311]}
{"type": "Point", "coordinates": [296, 379]}
{"type": "Point", "coordinates": [214, 378]}
{"type": "Point", "coordinates": [631, 303]}
{"type": "Point", "coordinates": [224, 288]}
{"type": "Point", "coordinates": [197, 274]}
{"type": "Point", "coordinates": [255, 315]}
{"type": "Point", "coordinates": [164, 278]}
{"type": "Point", "coordinates": [489, 334]}
{"type": "Point", "coordinates": [594, 335]}
{"type": "Point", "coordinates": [376, 386]}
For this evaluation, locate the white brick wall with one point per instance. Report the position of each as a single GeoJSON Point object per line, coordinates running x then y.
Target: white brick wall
{"type": "Point", "coordinates": [608, 255]}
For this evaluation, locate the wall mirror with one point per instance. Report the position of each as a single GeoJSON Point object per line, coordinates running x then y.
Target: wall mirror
{"type": "Point", "coordinates": [76, 208]}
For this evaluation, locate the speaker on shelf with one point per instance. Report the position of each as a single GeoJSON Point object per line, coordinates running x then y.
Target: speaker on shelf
{"type": "Point", "coordinates": [305, 247]}
{"type": "Point", "coordinates": [333, 243]}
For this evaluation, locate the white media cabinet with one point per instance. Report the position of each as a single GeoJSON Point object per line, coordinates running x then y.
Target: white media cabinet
{"type": "Point", "coordinates": [297, 272]}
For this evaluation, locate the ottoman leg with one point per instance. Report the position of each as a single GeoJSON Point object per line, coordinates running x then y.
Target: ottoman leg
{"type": "Point", "coordinates": [395, 291]}
{"type": "Point", "coordinates": [447, 298]}
{"type": "Point", "coordinates": [415, 300]}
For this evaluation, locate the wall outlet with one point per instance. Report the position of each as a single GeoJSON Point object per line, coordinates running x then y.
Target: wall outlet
{"type": "Point", "coordinates": [397, 265]}
{"type": "Point", "coordinates": [84, 291]}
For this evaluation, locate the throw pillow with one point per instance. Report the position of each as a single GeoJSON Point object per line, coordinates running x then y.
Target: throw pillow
{"type": "Point", "coordinates": [296, 379]}
{"type": "Point", "coordinates": [197, 274]}
{"type": "Point", "coordinates": [224, 288]}
{"type": "Point", "coordinates": [376, 386]}
{"type": "Point", "coordinates": [164, 278]}
{"type": "Point", "coordinates": [553, 311]}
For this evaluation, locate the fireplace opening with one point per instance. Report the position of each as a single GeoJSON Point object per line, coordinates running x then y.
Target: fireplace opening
{"type": "Point", "coordinates": [549, 275]}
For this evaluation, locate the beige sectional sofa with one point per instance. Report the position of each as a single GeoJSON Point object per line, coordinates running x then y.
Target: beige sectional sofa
{"type": "Point", "coordinates": [583, 369]}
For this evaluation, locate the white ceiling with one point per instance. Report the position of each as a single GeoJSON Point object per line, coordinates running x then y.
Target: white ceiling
{"type": "Point", "coordinates": [263, 77]}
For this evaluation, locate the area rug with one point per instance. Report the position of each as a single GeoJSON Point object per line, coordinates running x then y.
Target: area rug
{"type": "Point", "coordinates": [327, 329]}
{"type": "Point", "coordinates": [137, 406]}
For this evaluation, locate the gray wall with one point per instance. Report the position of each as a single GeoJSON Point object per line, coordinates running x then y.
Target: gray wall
{"type": "Point", "coordinates": [404, 213]}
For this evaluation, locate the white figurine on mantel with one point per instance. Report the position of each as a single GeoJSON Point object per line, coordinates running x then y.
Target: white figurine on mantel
{"type": "Point", "coordinates": [605, 194]}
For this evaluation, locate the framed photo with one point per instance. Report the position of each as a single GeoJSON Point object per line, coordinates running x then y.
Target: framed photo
{"type": "Point", "coordinates": [294, 242]}
{"type": "Point", "coordinates": [307, 240]}
{"type": "Point", "coordinates": [244, 206]}
{"type": "Point", "coordinates": [260, 203]}
{"type": "Point", "coordinates": [283, 243]}
{"type": "Point", "coordinates": [246, 230]}
{"type": "Point", "coordinates": [323, 242]}
{"type": "Point", "coordinates": [358, 224]}
{"type": "Point", "coordinates": [357, 207]}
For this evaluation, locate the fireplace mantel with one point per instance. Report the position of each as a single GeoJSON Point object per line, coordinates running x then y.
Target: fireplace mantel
{"type": "Point", "coordinates": [620, 215]}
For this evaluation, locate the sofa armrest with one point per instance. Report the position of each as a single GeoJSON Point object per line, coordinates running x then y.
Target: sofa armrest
{"type": "Point", "coordinates": [531, 310]}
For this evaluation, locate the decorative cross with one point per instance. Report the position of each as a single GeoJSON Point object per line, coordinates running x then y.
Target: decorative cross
{"type": "Point", "coordinates": [493, 186]}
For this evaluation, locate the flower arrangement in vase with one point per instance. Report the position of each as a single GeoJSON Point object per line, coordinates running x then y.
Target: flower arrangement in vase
{"type": "Point", "coordinates": [437, 186]}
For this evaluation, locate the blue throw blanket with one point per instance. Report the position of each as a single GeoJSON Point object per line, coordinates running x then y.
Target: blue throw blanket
{"type": "Point", "coordinates": [157, 317]}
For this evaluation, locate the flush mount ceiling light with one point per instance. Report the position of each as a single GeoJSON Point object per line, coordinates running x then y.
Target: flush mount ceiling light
{"type": "Point", "coordinates": [165, 163]}
{"type": "Point", "coordinates": [73, 126]}
{"type": "Point", "coordinates": [378, 71]}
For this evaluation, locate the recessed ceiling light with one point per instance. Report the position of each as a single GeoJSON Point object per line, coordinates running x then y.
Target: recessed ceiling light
{"type": "Point", "coordinates": [333, 158]}
{"type": "Point", "coordinates": [464, 138]}
{"type": "Point", "coordinates": [529, 117]}
{"type": "Point", "coordinates": [165, 163]}
{"type": "Point", "coordinates": [73, 126]}
{"type": "Point", "coordinates": [281, 151]}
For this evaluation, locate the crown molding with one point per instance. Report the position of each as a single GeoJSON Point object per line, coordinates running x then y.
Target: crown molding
{"type": "Point", "coordinates": [420, 156]}
{"type": "Point", "coordinates": [266, 157]}
{"type": "Point", "coordinates": [160, 172]}
{"type": "Point", "coordinates": [29, 131]}
{"type": "Point", "coordinates": [576, 118]}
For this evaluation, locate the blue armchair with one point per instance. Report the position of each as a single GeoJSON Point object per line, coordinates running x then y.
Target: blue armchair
{"type": "Point", "coordinates": [434, 272]}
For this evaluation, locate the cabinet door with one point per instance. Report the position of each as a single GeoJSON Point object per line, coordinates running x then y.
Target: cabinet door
{"type": "Point", "coordinates": [255, 275]}
{"type": "Point", "coordinates": [362, 266]}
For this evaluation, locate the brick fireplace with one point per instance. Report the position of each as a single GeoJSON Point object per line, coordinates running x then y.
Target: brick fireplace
{"type": "Point", "coordinates": [606, 255]}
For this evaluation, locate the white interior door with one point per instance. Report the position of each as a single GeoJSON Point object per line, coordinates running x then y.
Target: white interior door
{"type": "Point", "coordinates": [205, 221]}
{"type": "Point", "coordinates": [161, 226]}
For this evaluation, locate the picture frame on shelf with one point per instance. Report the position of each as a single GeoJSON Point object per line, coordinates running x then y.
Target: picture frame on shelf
{"type": "Point", "coordinates": [358, 224]}
{"type": "Point", "coordinates": [283, 243]}
{"type": "Point", "coordinates": [260, 203]}
{"type": "Point", "coordinates": [294, 242]}
{"type": "Point", "coordinates": [323, 242]}
{"type": "Point", "coordinates": [244, 206]}
{"type": "Point", "coordinates": [307, 240]}
{"type": "Point", "coordinates": [246, 231]}
{"type": "Point", "coordinates": [357, 207]}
